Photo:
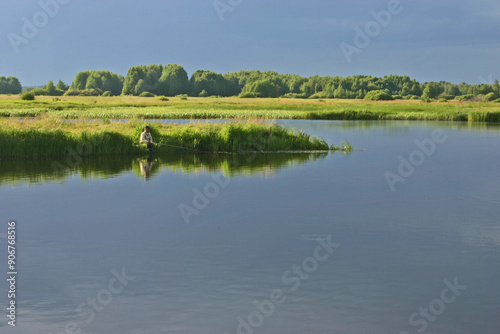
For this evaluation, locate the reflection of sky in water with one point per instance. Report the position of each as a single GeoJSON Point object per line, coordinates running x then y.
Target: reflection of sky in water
{"type": "Point", "coordinates": [396, 248]}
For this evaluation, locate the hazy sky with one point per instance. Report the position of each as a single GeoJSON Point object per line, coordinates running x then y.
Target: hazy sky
{"type": "Point", "coordinates": [430, 40]}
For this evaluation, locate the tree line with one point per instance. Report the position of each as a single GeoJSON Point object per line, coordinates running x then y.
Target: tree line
{"type": "Point", "coordinates": [173, 80]}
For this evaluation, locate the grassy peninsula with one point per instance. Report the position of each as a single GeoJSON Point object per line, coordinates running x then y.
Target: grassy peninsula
{"type": "Point", "coordinates": [55, 137]}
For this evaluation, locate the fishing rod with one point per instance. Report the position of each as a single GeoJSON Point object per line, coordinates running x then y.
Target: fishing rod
{"type": "Point", "coordinates": [186, 148]}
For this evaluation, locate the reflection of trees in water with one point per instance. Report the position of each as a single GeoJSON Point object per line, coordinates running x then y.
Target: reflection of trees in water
{"type": "Point", "coordinates": [41, 171]}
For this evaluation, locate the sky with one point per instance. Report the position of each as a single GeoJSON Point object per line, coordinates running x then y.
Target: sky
{"type": "Point", "coordinates": [429, 40]}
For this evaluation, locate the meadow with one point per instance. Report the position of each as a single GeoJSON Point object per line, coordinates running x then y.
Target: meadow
{"type": "Point", "coordinates": [130, 107]}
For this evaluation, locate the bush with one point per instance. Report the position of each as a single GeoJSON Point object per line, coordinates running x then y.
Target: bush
{"type": "Point", "coordinates": [489, 97]}
{"type": "Point", "coordinates": [182, 96]}
{"type": "Point", "coordinates": [397, 97]}
{"type": "Point", "coordinates": [28, 96]}
{"type": "Point", "coordinates": [446, 96]}
{"type": "Point", "coordinates": [467, 97]}
{"type": "Point", "coordinates": [83, 92]}
{"type": "Point", "coordinates": [203, 93]}
{"type": "Point", "coordinates": [107, 93]}
{"type": "Point", "coordinates": [247, 95]}
{"type": "Point", "coordinates": [146, 94]}
{"type": "Point", "coordinates": [321, 95]}
{"type": "Point", "coordinates": [378, 95]}
{"type": "Point", "coordinates": [162, 98]}
{"type": "Point", "coordinates": [294, 96]}
{"type": "Point", "coordinates": [497, 101]}
{"type": "Point", "coordinates": [442, 100]}
{"type": "Point", "coordinates": [38, 91]}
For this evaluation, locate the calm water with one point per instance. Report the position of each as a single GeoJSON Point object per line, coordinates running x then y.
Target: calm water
{"type": "Point", "coordinates": [267, 243]}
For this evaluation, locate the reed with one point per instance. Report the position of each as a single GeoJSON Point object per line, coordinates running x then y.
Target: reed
{"type": "Point", "coordinates": [53, 137]}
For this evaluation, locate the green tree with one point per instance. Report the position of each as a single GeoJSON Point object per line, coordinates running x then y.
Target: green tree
{"type": "Point", "coordinates": [51, 89]}
{"type": "Point", "coordinates": [213, 83]}
{"type": "Point", "coordinates": [432, 90]}
{"type": "Point", "coordinates": [174, 80]}
{"type": "Point", "coordinates": [262, 88]}
{"type": "Point", "coordinates": [100, 81]}
{"type": "Point", "coordinates": [80, 80]}
{"type": "Point", "coordinates": [10, 85]}
{"type": "Point", "coordinates": [62, 86]}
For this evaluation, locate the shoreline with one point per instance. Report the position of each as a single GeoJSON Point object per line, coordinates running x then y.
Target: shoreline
{"type": "Point", "coordinates": [128, 107]}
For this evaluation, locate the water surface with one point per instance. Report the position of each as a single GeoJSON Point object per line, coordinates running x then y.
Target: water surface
{"type": "Point", "coordinates": [257, 217]}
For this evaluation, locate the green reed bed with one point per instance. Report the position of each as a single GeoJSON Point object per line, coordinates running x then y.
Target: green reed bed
{"type": "Point", "coordinates": [124, 107]}
{"type": "Point", "coordinates": [52, 137]}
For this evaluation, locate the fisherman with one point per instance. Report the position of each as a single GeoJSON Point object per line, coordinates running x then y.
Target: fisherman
{"type": "Point", "coordinates": [147, 139]}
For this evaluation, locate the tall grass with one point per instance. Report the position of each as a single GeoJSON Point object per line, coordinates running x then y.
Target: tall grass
{"type": "Point", "coordinates": [54, 138]}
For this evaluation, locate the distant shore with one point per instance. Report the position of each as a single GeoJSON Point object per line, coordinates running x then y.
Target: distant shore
{"type": "Point", "coordinates": [129, 107]}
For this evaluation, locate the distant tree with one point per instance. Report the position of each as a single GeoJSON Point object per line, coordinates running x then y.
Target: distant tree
{"type": "Point", "coordinates": [51, 89]}
{"type": "Point", "coordinates": [416, 89]}
{"type": "Point", "coordinates": [174, 80]}
{"type": "Point", "coordinates": [262, 88]}
{"type": "Point", "coordinates": [213, 83]}
{"type": "Point", "coordinates": [10, 85]}
{"type": "Point", "coordinates": [432, 90]}
{"type": "Point", "coordinates": [168, 80]}
{"type": "Point", "coordinates": [496, 88]}
{"type": "Point", "coordinates": [100, 81]}
{"type": "Point", "coordinates": [94, 81]}
{"type": "Point", "coordinates": [62, 86]}
{"type": "Point", "coordinates": [141, 87]}
{"type": "Point", "coordinates": [485, 89]}
{"type": "Point", "coordinates": [80, 80]}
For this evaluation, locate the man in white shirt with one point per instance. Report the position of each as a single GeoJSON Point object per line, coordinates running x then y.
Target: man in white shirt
{"type": "Point", "coordinates": [147, 139]}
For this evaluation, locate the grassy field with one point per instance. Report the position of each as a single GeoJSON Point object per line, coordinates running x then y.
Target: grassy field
{"type": "Point", "coordinates": [50, 136]}
{"type": "Point", "coordinates": [127, 107]}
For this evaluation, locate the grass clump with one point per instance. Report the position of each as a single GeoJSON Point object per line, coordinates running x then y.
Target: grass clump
{"type": "Point", "coordinates": [344, 147]}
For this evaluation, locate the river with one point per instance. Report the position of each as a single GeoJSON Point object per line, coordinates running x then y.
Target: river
{"type": "Point", "coordinates": [400, 236]}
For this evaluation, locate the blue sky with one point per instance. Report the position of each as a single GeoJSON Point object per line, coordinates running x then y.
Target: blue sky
{"type": "Point", "coordinates": [451, 40]}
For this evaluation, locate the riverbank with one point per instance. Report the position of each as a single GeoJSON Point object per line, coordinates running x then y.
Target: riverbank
{"type": "Point", "coordinates": [55, 137]}
{"type": "Point", "coordinates": [129, 107]}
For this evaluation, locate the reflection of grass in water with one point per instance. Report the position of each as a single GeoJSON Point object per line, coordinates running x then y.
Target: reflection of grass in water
{"type": "Point", "coordinates": [39, 171]}
{"type": "Point", "coordinates": [236, 164]}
